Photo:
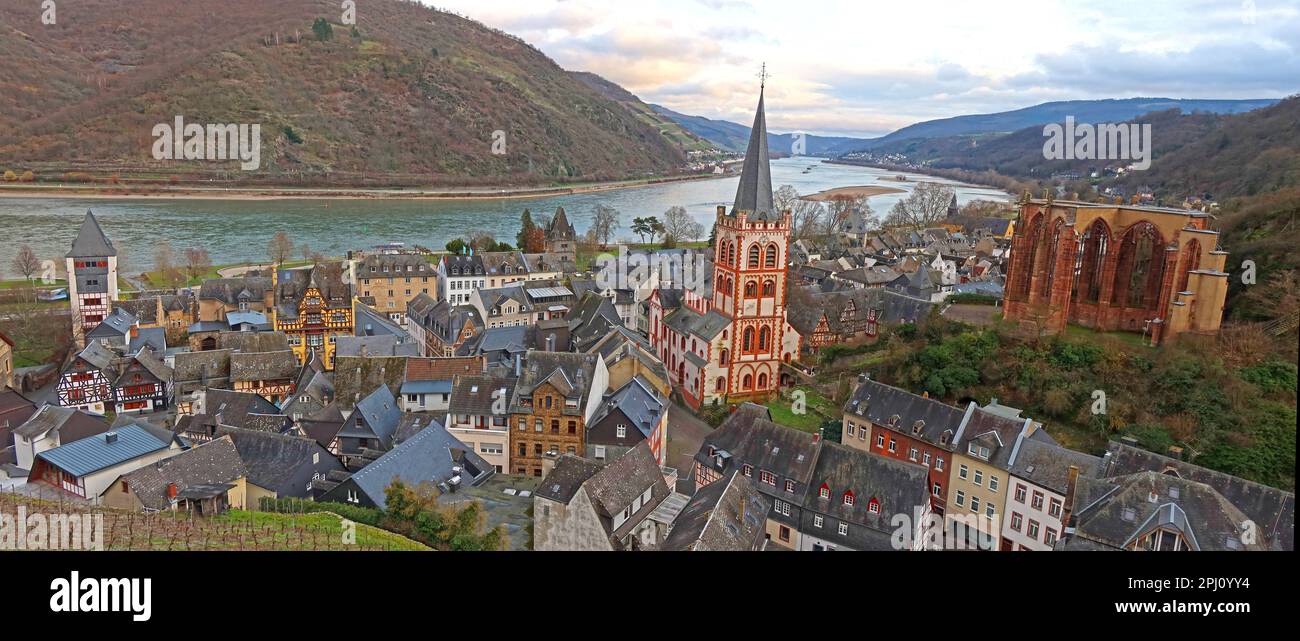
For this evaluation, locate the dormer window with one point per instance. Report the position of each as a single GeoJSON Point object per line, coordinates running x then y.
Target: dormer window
{"type": "Point", "coordinates": [849, 498]}
{"type": "Point", "coordinates": [873, 506]}
{"type": "Point", "coordinates": [789, 486]}
{"type": "Point", "coordinates": [747, 469]}
{"type": "Point", "coordinates": [824, 492]}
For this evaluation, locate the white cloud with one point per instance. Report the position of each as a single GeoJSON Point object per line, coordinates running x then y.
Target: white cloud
{"type": "Point", "coordinates": [849, 67]}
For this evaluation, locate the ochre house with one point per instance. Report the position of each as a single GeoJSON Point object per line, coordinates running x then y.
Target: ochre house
{"type": "Point", "coordinates": [313, 307]}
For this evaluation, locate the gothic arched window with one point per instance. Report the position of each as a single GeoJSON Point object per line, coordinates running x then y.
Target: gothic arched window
{"type": "Point", "coordinates": [770, 259]}
{"type": "Point", "coordinates": [769, 289]}
{"type": "Point", "coordinates": [764, 339]}
{"type": "Point", "coordinates": [747, 340]}
{"type": "Point", "coordinates": [753, 256]}
{"type": "Point", "coordinates": [751, 289]}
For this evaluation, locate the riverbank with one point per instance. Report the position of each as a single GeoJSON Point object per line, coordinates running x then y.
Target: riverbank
{"type": "Point", "coordinates": [936, 173]}
{"type": "Point", "coordinates": [168, 192]}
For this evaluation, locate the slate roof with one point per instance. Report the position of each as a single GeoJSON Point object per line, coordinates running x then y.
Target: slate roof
{"type": "Point", "coordinates": [1273, 510]}
{"type": "Point", "coordinates": [749, 436]}
{"type": "Point", "coordinates": [899, 486]}
{"type": "Point", "coordinates": [91, 241]}
{"type": "Point", "coordinates": [472, 395]}
{"type": "Point", "coordinates": [215, 462]}
{"type": "Point", "coordinates": [90, 455]}
{"type": "Point", "coordinates": [1048, 464]}
{"type": "Point", "coordinates": [614, 488]}
{"type": "Point", "coordinates": [272, 460]}
{"type": "Point", "coordinates": [263, 366]}
{"type": "Point", "coordinates": [117, 323]}
{"type": "Point", "coordinates": [195, 370]}
{"type": "Point", "coordinates": [370, 323]}
{"type": "Point", "coordinates": [235, 407]}
{"type": "Point", "coordinates": [592, 319]}
{"type": "Point", "coordinates": [567, 477]}
{"type": "Point", "coordinates": [559, 227]}
{"type": "Point", "coordinates": [70, 424]}
{"type": "Point", "coordinates": [232, 291]}
{"type": "Point", "coordinates": [723, 516]}
{"type": "Point", "coordinates": [429, 456]}
{"type": "Point", "coordinates": [1133, 505]}
{"type": "Point", "coordinates": [155, 338]}
{"type": "Point", "coordinates": [292, 285]}
{"type": "Point", "coordinates": [376, 416]}
{"type": "Point", "coordinates": [570, 374]}
{"type": "Point", "coordinates": [365, 346]}
{"type": "Point", "coordinates": [685, 320]}
{"type": "Point", "coordinates": [880, 403]}
{"type": "Point", "coordinates": [639, 402]}
{"type": "Point", "coordinates": [97, 354]}
{"type": "Point", "coordinates": [754, 193]}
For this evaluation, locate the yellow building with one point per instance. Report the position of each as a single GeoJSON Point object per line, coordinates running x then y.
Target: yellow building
{"type": "Point", "coordinates": [6, 362]}
{"type": "Point", "coordinates": [979, 480]}
{"type": "Point", "coordinates": [313, 307]}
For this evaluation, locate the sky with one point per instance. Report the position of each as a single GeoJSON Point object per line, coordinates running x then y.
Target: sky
{"type": "Point", "coordinates": [868, 67]}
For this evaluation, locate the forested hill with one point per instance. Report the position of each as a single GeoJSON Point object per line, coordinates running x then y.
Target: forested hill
{"type": "Point", "coordinates": [409, 92]}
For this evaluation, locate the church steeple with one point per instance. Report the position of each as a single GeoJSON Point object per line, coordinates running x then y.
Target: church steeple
{"type": "Point", "coordinates": [754, 195]}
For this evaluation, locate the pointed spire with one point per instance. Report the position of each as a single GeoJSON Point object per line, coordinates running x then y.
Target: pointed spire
{"type": "Point", "coordinates": [754, 195]}
{"type": "Point", "coordinates": [91, 241]}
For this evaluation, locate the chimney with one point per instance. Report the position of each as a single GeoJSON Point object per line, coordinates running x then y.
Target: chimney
{"type": "Point", "coordinates": [110, 437]}
{"type": "Point", "coordinates": [135, 331]}
{"type": "Point", "coordinates": [1070, 483]}
{"type": "Point", "coordinates": [171, 490]}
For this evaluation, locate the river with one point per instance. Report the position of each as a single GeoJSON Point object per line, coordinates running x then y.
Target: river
{"type": "Point", "coordinates": [235, 231]}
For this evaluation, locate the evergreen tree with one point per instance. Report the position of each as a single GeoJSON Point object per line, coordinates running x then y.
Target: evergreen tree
{"type": "Point", "coordinates": [526, 228]}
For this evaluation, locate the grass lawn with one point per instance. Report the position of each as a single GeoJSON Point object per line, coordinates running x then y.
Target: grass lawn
{"type": "Point", "coordinates": [19, 283]}
{"type": "Point", "coordinates": [1075, 331]}
{"type": "Point", "coordinates": [818, 409]}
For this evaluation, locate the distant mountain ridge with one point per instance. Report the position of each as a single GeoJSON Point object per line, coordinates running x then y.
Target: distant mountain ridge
{"type": "Point", "coordinates": [733, 136]}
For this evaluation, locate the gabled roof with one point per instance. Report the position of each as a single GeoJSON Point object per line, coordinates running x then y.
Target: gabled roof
{"type": "Point", "coordinates": [442, 369]}
{"type": "Point", "coordinates": [899, 487]}
{"type": "Point", "coordinates": [117, 323]}
{"type": "Point", "coordinates": [272, 460]}
{"type": "Point", "coordinates": [706, 327]}
{"type": "Point", "coordinates": [1273, 510]}
{"type": "Point", "coordinates": [376, 416]}
{"type": "Point", "coordinates": [92, 454]}
{"type": "Point", "coordinates": [615, 487]}
{"type": "Point", "coordinates": [754, 194]}
{"type": "Point", "coordinates": [567, 477]}
{"type": "Point", "coordinates": [214, 462]}
{"type": "Point", "coordinates": [472, 395]}
{"type": "Point", "coordinates": [880, 404]}
{"type": "Point", "coordinates": [639, 402]}
{"type": "Point", "coordinates": [97, 354]}
{"type": "Point", "coordinates": [91, 241]}
{"type": "Point", "coordinates": [70, 424]}
{"type": "Point", "coordinates": [430, 456]}
{"type": "Point", "coordinates": [356, 377]}
{"type": "Point", "coordinates": [749, 436]}
{"type": "Point", "coordinates": [723, 516]}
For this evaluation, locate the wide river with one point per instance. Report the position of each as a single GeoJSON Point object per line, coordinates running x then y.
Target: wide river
{"type": "Point", "coordinates": [235, 231]}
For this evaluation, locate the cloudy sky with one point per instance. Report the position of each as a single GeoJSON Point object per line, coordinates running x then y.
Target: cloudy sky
{"type": "Point", "coordinates": [865, 68]}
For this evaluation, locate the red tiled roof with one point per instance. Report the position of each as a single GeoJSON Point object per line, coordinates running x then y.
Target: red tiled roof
{"type": "Point", "coordinates": [442, 369]}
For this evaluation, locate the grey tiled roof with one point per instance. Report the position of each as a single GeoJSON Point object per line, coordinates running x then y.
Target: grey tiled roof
{"type": "Point", "coordinates": [213, 462]}
{"type": "Point", "coordinates": [880, 404]}
{"type": "Point", "coordinates": [729, 515]}
{"type": "Point", "coordinates": [263, 366]}
{"type": "Point", "coordinates": [429, 456]}
{"type": "Point", "coordinates": [472, 395]}
{"type": "Point", "coordinates": [566, 478]}
{"type": "Point", "coordinates": [91, 241]}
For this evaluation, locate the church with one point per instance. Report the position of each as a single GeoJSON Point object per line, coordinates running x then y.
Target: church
{"type": "Point", "coordinates": [727, 343]}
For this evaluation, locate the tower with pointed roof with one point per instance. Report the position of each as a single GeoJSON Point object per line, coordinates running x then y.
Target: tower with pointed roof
{"type": "Point", "coordinates": [92, 278]}
{"type": "Point", "coordinates": [561, 238]}
{"type": "Point", "coordinates": [750, 269]}
{"type": "Point", "coordinates": [728, 343]}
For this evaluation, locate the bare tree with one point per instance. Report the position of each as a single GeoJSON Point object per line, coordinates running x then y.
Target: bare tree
{"type": "Point", "coordinates": [806, 218]}
{"type": "Point", "coordinates": [164, 261]}
{"type": "Point", "coordinates": [197, 262]}
{"type": "Point", "coordinates": [839, 209]}
{"type": "Point", "coordinates": [926, 206]}
{"type": "Point", "coordinates": [280, 248]}
{"type": "Point", "coordinates": [679, 226]}
{"type": "Point", "coordinates": [605, 222]}
{"type": "Point", "coordinates": [26, 262]}
{"type": "Point", "coordinates": [785, 198]}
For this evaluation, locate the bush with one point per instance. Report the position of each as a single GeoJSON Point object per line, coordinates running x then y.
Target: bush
{"type": "Point", "coordinates": [1271, 377]}
{"type": "Point", "coordinates": [323, 29]}
{"type": "Point", "coordinates": [973, 299]}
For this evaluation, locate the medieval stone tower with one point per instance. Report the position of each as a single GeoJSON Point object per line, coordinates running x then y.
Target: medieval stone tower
{"type": "Point", "coordinates": [92, 278]}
